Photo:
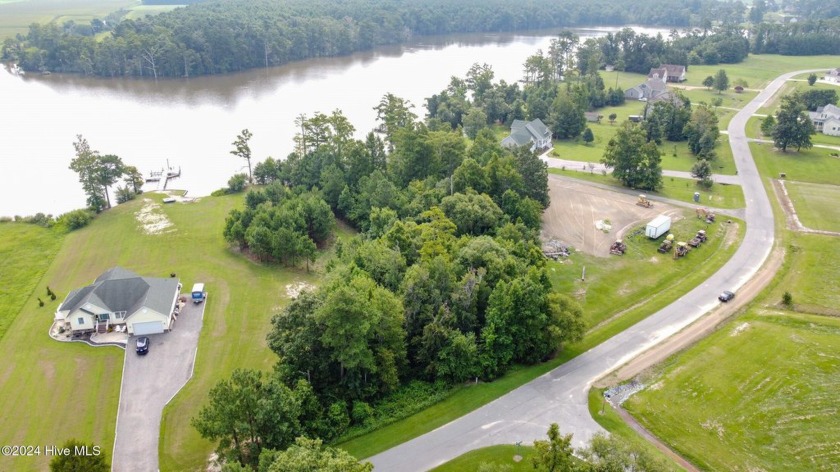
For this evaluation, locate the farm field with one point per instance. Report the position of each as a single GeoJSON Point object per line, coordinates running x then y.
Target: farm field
{"type": "Point", "coordinates": [758, 408]}
{"type": "Point", "coordinates": [16, 16]}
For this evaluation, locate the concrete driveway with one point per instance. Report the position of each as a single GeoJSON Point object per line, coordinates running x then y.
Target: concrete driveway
{"type": "Point", "coordinates": [148, 383]}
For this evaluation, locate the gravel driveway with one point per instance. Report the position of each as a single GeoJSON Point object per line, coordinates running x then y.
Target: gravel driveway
{"type": "Point", "coordinates": [148, 383]}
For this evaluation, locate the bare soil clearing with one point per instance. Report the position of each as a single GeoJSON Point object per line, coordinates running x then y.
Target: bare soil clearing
{"type": "Point", "coordinates": [579, 215]}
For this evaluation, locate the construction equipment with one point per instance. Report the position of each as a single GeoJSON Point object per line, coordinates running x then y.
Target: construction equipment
{"type": "Point", "coordinates": [699, 238]}
{"type": "Point", "coordinates": [707, 214]}
{"type": "Point", "coordinates": [667, 244]}
{"type": "Point", "coordinates": [681, 249]}
{"type": "Point", "coordinates": [618, 248]}
{"type": "Point", "coordinates": [644, 202]}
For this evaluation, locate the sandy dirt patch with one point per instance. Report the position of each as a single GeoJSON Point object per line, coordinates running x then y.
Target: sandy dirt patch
{"type": "Point", "coordinates": [590, 219]}
{"type": "Point", "coordinates": [152, 219]}
{"type": "Point", "coordinates": [295, 289]}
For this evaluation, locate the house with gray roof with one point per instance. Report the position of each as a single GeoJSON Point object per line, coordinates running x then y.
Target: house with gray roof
{"type": "Point", "coordinates": [119, 297]}
{"type": "Point", "coordinates": [522, 133]}
{"type": "Point", "coordinates": [668, 73]}
{"type": "Point", "coordinates": [823, 115]}
{"type": "Point", "coordinates": [646, 91]}
{"type": "Point", "coordinates": [833, 76]}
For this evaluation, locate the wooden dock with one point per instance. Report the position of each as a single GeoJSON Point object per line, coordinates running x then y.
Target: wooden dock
{"type": "Point", "coordinates": [161, 177]}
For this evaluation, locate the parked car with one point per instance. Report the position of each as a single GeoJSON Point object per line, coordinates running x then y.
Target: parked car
{"type": "Point", "coordinates": [726, 296]}
{"type": "Point", "coordinates": [143, 345]}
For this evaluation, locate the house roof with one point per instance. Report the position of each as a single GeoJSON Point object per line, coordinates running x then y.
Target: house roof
{"type": "Point", "coordinates": [674, 70]}
{"type": "Point", "coordinates": [523, 132]}
{"type": "Point", "coordinates": [658, 72]}
{"type": "Point", "coordinates": [829, 111]}
{"type": "Point", "coordinates": [834, 72]}
{"type": "Point", "coordinates": [119, 289]}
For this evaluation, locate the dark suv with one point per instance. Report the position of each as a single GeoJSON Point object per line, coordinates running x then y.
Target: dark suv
{"type": "Point", "coordinates": [726, 296]}
{"type": "Point", "coordinates": [142, 345]}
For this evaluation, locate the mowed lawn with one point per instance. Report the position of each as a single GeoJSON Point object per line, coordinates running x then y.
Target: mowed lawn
{"type": "Point", "coordinates": [760, 394]}
{"type": "Point", "coordinates": [53, 391]}
{"type": "Point", "coordinates": [817, 205]}
{"type": "Point", "coordinates": [814, 165]}
{"type": "Point", "coordinates": [26, 251]}
{"type": "Point", "coordinates": [500, 456]}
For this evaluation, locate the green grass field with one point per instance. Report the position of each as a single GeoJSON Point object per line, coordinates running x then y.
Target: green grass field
{"type": "Point", "coordinates": [26, 251]}
{"type": "Point", "coordinates": [733, 403]}
{"type": "Point", "coordinates": [72, 390]}
{"type": "Point", "coordinates": [759, 70]}
{"type": "Point", "coordinates": [816, 204]}
{"type": "Point", "coordinates": [722, 196]}
{"type": "Point", "coordinates": [813, 165]}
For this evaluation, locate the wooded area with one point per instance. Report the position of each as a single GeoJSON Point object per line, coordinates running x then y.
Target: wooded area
{"type": "Point", "coordinates": [216, 37]}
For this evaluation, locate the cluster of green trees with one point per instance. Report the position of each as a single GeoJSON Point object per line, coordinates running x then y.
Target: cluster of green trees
{"type": "Point", "coordinates": [633, 153]}
{"type": "Point", "coordinates": [215, 37]}
{"type": "Point", "coordinates": [280, 225]}
{"type": "Point", "coordinates": [446, 282]}
{"type": "Point", "coordinates": [803, 38]}
{"type": "Point", "coordinates": [97, 173]}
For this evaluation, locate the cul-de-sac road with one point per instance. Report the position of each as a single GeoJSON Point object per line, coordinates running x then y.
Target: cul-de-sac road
{"type": "Point", "coordinates": [560, 396]}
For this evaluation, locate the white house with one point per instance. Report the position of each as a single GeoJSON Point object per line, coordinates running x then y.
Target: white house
{"type": "Point", "coordinates": [820, 117]}
{"type": "Point", "coordinates": [833, 76]}
{"type": "Point", "coordinates": [119, 297]}
{"type": "Point", "coordinates": [832, 127]}
{"type": "Point", "coordinates": [646, 91]}
{"type": "Point", "coordinates": [668, 73]}
{"type": "Point", "coordinates": [523, 132]}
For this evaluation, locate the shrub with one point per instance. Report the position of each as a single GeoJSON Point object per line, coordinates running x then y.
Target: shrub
{"type": "Point", "coordinates": [787, 299]}
{"type": "Point", "coordinates": [76, 219]}
{"type": "Point", "coordinates": [219, 193]}
{"type": "Point", "coordinates": [40, 302]}
{"type": "Point", "coordinates": [361, 413]}
{"type": "Point", "coordinates": [237, 183]}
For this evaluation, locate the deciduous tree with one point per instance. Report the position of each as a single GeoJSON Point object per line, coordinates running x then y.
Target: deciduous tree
{"type": "Point", "coordinates": [636, 163]}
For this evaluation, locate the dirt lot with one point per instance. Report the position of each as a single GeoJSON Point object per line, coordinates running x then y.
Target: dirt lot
{"type": "Point", "coordinates": [577, 210]}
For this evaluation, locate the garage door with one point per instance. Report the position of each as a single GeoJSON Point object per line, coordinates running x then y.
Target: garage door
{"type": "Point", "coordinates": [148, 327]}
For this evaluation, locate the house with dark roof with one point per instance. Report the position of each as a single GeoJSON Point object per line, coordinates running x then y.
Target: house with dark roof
{"type": "Point", "coordinates": [523, 132]}
{"type": "Point", "coordinates": [668, 73]}
{"type": "Point", "coordinates": [119, 297]}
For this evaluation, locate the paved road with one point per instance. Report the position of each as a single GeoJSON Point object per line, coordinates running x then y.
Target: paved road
{"type": "Point", "coordinates": [560, 396]}
{"type": "Point", "coordinates": [148, 383]}
{"type": "Point", "coordinates": [598, 167]}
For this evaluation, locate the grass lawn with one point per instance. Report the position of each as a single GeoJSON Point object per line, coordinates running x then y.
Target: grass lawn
{"type": "Point", "coordinates": [142, 11]}
{"type": "Point", "coordinates": [26, 251]}
{"type": "Point", "coordinates": [814, 275]}
{"type": "Point", "coordinates": [500, 456]}
{"type": "Point", "coordinates": [816, 204]}
{"type": "Point", "coordinates": [789, 87]}
{"type": "Point", "coordinates": [757, 408]}
{"type": "Point", "coordinates": [813, 165]}
{"type": "Point", "coordinates": [719, 196]}
{"type": "Point", "coordinates": [759, 70]}
{"type": "Point", "coordinates": [15, 17]}
{"type": "Point", "coordinates": [468, 398]}
{"type": "Point", "coordinates": [72, 390]}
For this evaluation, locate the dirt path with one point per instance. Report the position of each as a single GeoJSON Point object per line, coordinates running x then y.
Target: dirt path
{"type": "Point", "coordinates": [699, 329]}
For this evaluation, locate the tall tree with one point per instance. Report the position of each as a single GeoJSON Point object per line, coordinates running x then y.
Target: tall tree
{"type": "Point", "coordinates": [556, 454]}
{"type": "Point", "coordinates": [636, 162]}
{"type": "Point", "coordinates": [309, 455]}
{"type": "Point", "coordinates": [96, 173]}
{"type": "Point", "coordinates": [793, 127]}
{"type": "Point", "coordinates": [721, 81]}
{"type": "Point", "coordinates": [243, 150]}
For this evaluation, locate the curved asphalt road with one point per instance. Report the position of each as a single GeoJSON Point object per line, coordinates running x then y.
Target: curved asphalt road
{"type": "Point", "coordinates": [560, 396]}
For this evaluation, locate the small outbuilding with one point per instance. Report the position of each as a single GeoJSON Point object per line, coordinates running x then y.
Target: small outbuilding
{"type": "Point", "coordinates": [658, 226]}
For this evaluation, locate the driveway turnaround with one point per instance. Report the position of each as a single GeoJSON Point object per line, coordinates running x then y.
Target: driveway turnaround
{"type": "Point", "coordinates": [560, 396]}
{"type": "Point", "coordinates": [148, 383]}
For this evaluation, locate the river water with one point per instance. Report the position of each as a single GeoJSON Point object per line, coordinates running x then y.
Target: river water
{"type": "Point", "coordinates": [191, 123]}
